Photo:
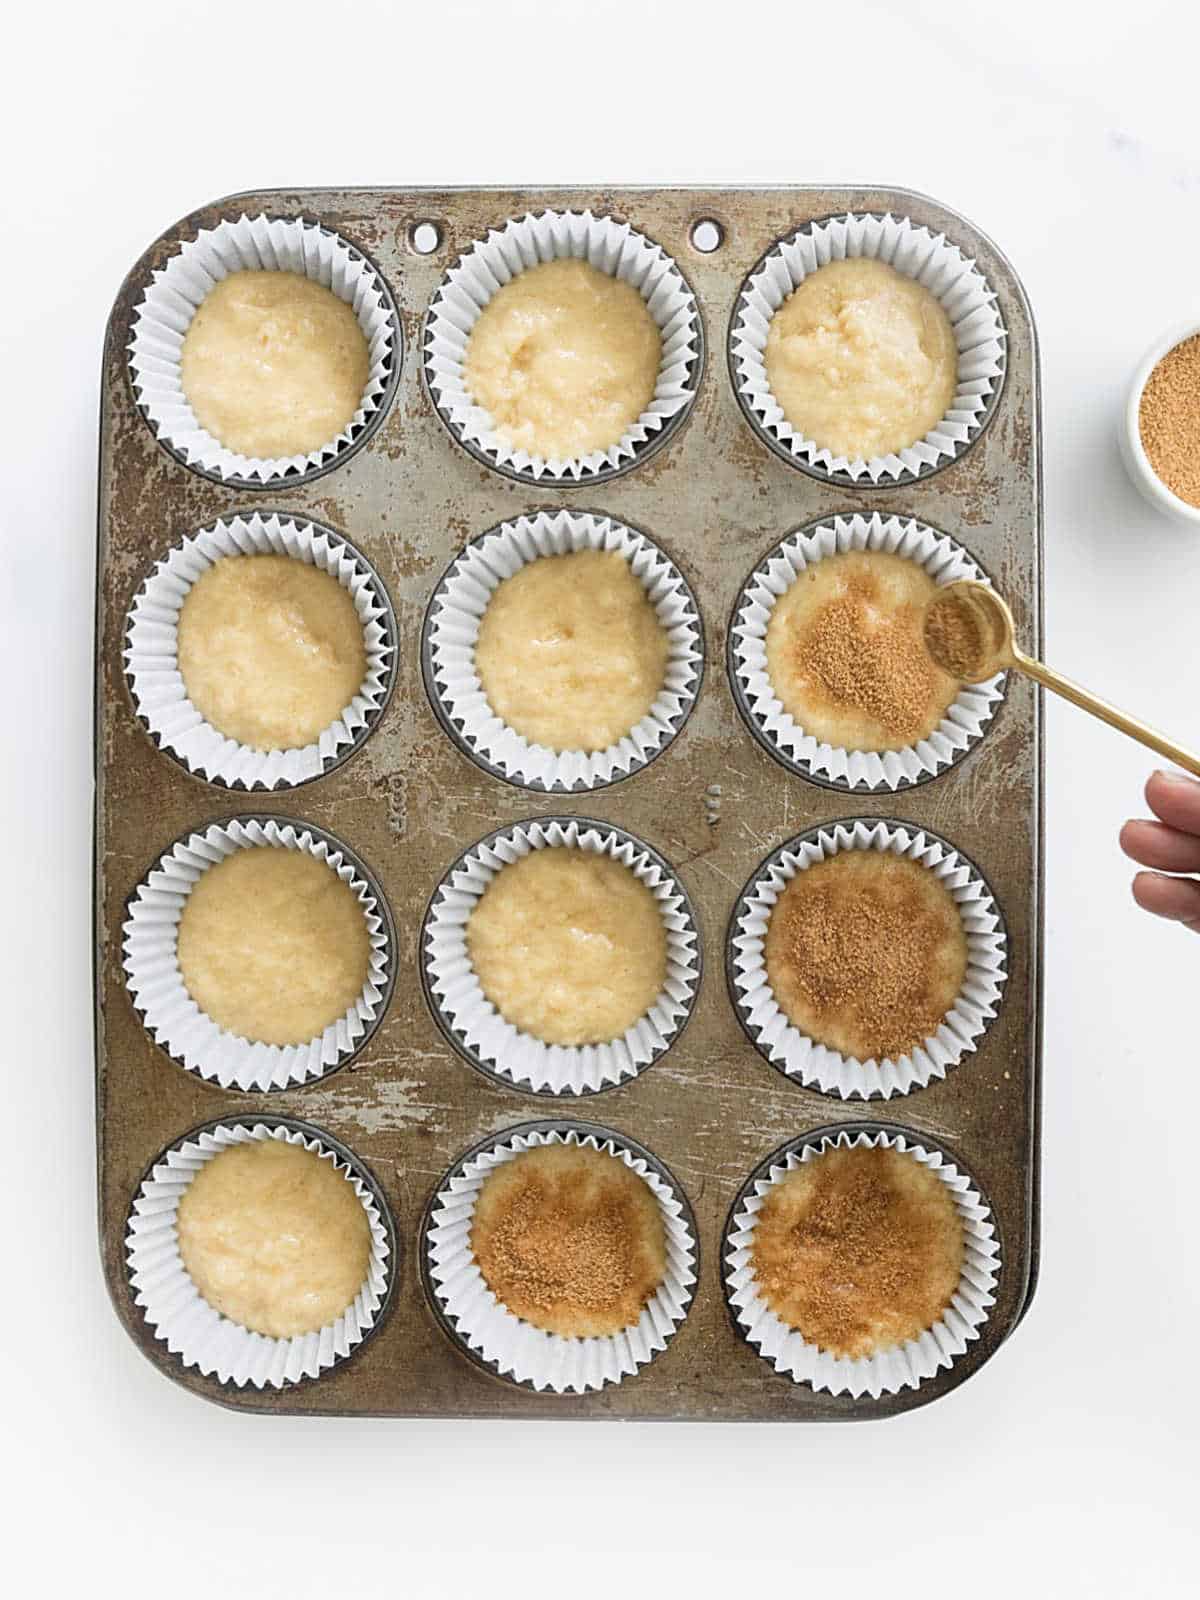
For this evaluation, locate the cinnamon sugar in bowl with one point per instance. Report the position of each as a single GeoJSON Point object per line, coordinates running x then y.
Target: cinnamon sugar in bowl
{"type": "Point", "coordinates": [1160, 426]}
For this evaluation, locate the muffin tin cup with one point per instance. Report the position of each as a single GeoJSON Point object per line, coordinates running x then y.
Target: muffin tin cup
{"type": "Point", "coordinates": [966, 719]}
{"type": "Point", "coordinates": [898, 1367]}
{"type": "Point", "coordinates": [610, 246]}
{"type": "Point", "coordinates": [194, 1331]}
{"type": "Point", "coordinates": [815, 1065]}
{"type": "Point", "coordinates": [451, 631]}
{"type": "Point", "coordinates": [933, 261]}
{"type": "Point", "coordinates": [165, 312]}
{"type": "Point", "coordinates": [503, 1343]}
{"type": "Point", "coordinates": [472, 1023]}
{"type": "Point", "coordinates": [174, 1020]}
{"type": "Point", "coordinates": [156, 685]}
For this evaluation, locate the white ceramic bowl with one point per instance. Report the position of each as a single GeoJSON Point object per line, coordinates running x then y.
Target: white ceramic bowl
{"type": "Point", "coordinates": [1137, 464]}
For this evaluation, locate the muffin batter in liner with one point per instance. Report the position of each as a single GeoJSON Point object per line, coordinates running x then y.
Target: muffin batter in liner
{"type": "Point", "coordinates": [815, 1065]}
{"type": "Point", "coordinates": [195, 1331]}
{"type": "Point", "coordinates": [889, 1371]}
{"type": "Point", "coordinates": [515, 1349]}
{"type": "Point", "coordinates": [954, 281]}
{"type": "Point", "coordinates": [609, 246]}
{"type": "Point", "coordinates": [255, 244]}
{"type": "Point", "coordinates": [962, 726]}
{"type": "Point", "coordinates": [452, 629]}
{"type": "Point", "coordinates": [174, 1020]}
{"type": "Point", "coordinates": [473, 1024]}
{"type": "Point", "coordinates": [160, 696]}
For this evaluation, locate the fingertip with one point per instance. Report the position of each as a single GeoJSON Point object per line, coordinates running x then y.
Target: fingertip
{"type": "Point", "coordinates": [1175, 799]}
{"type": "Point", "coordinates": [1164, 776]}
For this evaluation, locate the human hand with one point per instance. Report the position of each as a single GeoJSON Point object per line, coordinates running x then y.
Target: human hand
{"type": "Point", "coordinates": [1170, 845]}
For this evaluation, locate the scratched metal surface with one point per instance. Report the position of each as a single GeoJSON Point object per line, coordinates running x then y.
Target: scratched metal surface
{"type": "Point", "coordinates": [717, 500]}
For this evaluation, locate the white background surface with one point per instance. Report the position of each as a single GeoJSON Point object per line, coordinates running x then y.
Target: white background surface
{"type": "Point", "coordinates": [1068, 1465]}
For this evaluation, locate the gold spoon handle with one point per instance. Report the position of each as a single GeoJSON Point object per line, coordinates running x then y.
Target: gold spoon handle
{"type": "Point", "coordinates": [1049, 679]}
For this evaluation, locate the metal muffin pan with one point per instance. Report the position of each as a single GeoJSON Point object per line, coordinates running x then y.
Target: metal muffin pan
{"type": "Point", "coordinates": [714, 804]}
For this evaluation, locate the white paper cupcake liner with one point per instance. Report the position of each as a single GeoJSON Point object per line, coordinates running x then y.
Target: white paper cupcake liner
{"type": "Point", "coordinates": [195, 1331]}
{"type": "Point", "coordinates": [256, 244]}
{"type": "Point", "coordinates": [611, 247]}
{"type": "Point", "coordinates": [966, 719]}
{"type": "Point", "coordinates": [513, 1348]}
{"type": "Point", "coordinates": [815, 1065]}
{"type": "Point", "coordinates": [172, 1017]}
{"type": "Point", "coordinates": [156, 685]}
{"type": "Point", "coordinates": [932, 260]}
{"type": "Point", "coordinates": [900, 1367]}
{"type": "Point", "coordinates": [452, 630]}
{"type": "Point", "coordinates": [472, 1023]}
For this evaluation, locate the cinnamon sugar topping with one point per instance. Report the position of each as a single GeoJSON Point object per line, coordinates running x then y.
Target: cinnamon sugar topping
{"type": "Point", "coordinates": [866, 953]}
{"type": "Point", "coordinates": [870, 660]}
{"type": "Point", "coordinates": [845, 653]}
{"type": "Point", "coordinates": [858, 1249]}
{"type": "Point", "coordinates": [570, 1239]}
{"type": "Point", "coordinates": [1169, 420]}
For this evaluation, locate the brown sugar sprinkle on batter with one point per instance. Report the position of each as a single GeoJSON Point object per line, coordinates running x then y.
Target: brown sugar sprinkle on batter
{"type": "Point", "coordinates": [1169, 420]}
{"type": "Point", "coordinates": [858, 1249]}
{"type": "Point", "coordinates": [866, 953]}
{"type": "Point", "coordinates": [877, 665]}
{"type": "Point", "coordinates": [570, 1239]}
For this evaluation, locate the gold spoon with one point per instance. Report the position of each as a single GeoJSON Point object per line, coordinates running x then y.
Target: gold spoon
{"type": "Point", "coordinates": [969, 632]}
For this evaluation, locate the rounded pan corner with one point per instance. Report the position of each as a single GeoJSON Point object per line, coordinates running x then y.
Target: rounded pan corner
{"type": "Point", "coordinates": [128, 1317]}
{"type": "Point", "coordinates": [904, 195]}
{"type": "Point", "coordinates": [939, 1388]}
{"type": "Point", "coordinates": [225, 1396]}
{"type": "Point", "coordinates": [1005, 261]}
{"type": "Point", "coordinates": [138, 268]}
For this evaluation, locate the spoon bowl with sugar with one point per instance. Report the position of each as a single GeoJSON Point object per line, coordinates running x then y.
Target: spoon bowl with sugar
{"type": "Point", "coordinates": [969, 631]}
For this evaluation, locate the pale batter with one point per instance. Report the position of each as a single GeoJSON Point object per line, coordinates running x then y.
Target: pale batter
{"type": "Point", "coordinates": [862, 359]}
{"type": "Point", "coordinates": [568, 945]}
{"type": "Point", "coordinates": [571, 653]}
{"type": "Point", "coordinates": [274, 1237]}
{"type": "Point", "coordinates": [273, 946]}
{"type": "Point", "coordinates": [846, 652]}
{"type": "Point", "coordinates": [564, 358]}
{"type": "Point", "coordinates": [859, 1250]}
{"type": "Point", "coordinates": [570, 1239]}
{"type": "Point", "coordinates": [271, 650]}
{"type": "Point", "coordinates": [274, 364]}
{"type": "Point", "coordinates": [865, 953]}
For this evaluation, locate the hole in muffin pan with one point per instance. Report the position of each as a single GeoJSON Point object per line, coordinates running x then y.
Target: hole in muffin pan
{"type": "Point", "coordinates": [707, 235]}
{"type": "Point", "coordinates": [425, 237]}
